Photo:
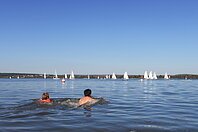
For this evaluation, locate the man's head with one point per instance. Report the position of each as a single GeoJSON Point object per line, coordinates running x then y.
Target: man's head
{"type": "Point", "coordinates": [87, 92]}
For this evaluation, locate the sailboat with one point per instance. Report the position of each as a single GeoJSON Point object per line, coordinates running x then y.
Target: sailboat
{"type": "Point", "coordinates": [65, 76]}
{"type": "Point", "coordinates": [106, 77]}
{"type": "Point", "coordinates": [18, 77]}
{"type": "Point", "coordinates": [56, 76]}
{"type": "Point", "coordinates": [126, 77]}
{"type": "Point", "coordinates": [146, 75]}
{"type": "Point", "coordinates": [88, 77]}
{"type": "Point", "coordinates": [63, 80]}
{"type": "Point", "coordinates": [114, 76]}
{"type": "Point", "coordinates": [44, 76]}
{"type": "Point", "coordinates": [150, 75]}
{"type": "Point", "coordinates": [72, 75]}
{"type": "Point", "coordinates": [154, 76]}
{"type": "Point", "coordinates": [166, 76]}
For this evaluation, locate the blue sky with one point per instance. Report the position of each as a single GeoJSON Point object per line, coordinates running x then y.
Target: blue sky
{"type": "Point", "coordinates": [99, 36]}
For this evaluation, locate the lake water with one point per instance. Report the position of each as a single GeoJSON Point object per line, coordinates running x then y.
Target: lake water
{"type": "Point", "coordinates": [132, 106]}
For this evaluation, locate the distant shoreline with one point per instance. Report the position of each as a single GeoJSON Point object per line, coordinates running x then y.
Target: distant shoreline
{"type": "Point", "coordinates": [94, 76]}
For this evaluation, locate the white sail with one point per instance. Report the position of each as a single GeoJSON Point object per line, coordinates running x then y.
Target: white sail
{"type": "Point", "coordinates": [126, 77]}
{"type": "Point", "coordinates": [18, 77]}
{"type": "Point", "coordinates": [88, 77]}
{"type": "Point", "coordinates": [166, 76]}
{"type": "Point", "coordinates": [150, 75]}
{"type": "Point", "coordinates": [154, 76]}
{"type": "Point", "coordinates": [146, 75]}
{"type": "Point", "coordinates": [65, 76]}
{"type": "Point", "coordinates": [107, 77]}
{"type": "Point", "coordinates": [56, 76]}
{"type": "Point", "coordinates": [114, 76]}
{"type": "Point", "coordinates": [72, 75]}
{"type": "Point", "coordinates": [44, 76]}
{"type": "Point", "coordinates": [98, 77]}
{"type": "Point", "coordinates": [10, 77]}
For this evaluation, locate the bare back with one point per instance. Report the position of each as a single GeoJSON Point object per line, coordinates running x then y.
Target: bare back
{"type": "Point", "coordinates": [85, 100]}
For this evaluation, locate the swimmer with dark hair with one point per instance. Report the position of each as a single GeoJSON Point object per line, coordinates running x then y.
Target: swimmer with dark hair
{"type": "Point", "coordinates": [87, 98]}
{"type": "Point", "coordinates": [45, 98]}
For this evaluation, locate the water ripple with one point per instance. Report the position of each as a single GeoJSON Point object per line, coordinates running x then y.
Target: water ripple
{"type": "Point", "coordinates": [133, 106]}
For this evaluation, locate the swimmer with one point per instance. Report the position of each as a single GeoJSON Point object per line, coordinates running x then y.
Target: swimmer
{"type": "Point", "coordinates": [45, 98]}
{"type": "Point", "coordinates": [87, 98]}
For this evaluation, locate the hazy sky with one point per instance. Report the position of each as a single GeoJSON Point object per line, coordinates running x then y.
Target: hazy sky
{"type": "Point", "coordinates": [99, 36]}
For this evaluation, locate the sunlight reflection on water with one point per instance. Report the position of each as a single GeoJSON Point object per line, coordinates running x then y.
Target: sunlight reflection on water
{"type": "Point", "coordinates": [133, 105]}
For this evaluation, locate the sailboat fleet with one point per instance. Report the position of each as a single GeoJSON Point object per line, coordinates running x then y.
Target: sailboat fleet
{"type": "Point", "coordinates": [152, 75]}
{"type": "Point", "coordinates": [56, 76]}
{"type": "Point", "coordinates": [147, 76]}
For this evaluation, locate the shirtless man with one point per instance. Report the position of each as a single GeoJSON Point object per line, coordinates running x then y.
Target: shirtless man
{"type": "Point", "coordinates": [87, 97]}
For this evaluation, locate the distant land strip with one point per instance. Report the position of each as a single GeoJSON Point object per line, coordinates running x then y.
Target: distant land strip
{"type": "Point", "coordinates": [94, 76]}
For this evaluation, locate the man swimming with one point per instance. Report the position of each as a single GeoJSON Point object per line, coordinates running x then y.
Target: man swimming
{"type": "Point", "coordinates": [87, 98]}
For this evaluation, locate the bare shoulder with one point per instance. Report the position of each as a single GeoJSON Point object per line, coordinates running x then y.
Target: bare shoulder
{"type": "Point", "coordinates": [86, 99]}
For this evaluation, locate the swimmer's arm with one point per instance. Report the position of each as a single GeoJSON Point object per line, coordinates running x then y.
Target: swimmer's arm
{"type": "Point", "coordinates": [86, 106]}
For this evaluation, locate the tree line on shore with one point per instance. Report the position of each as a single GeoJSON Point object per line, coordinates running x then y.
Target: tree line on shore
{"type": "Point", "coordinates": [28, 75]}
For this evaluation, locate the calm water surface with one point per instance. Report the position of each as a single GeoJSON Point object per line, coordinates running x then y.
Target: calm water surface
{"type": "Point", "coordinates": [133, 106]}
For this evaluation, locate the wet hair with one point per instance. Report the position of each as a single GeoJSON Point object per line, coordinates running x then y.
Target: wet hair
{"type": "Point", "coordinates": [87, 92]}
{"type": "Point", "coordinates": [45, 96]}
